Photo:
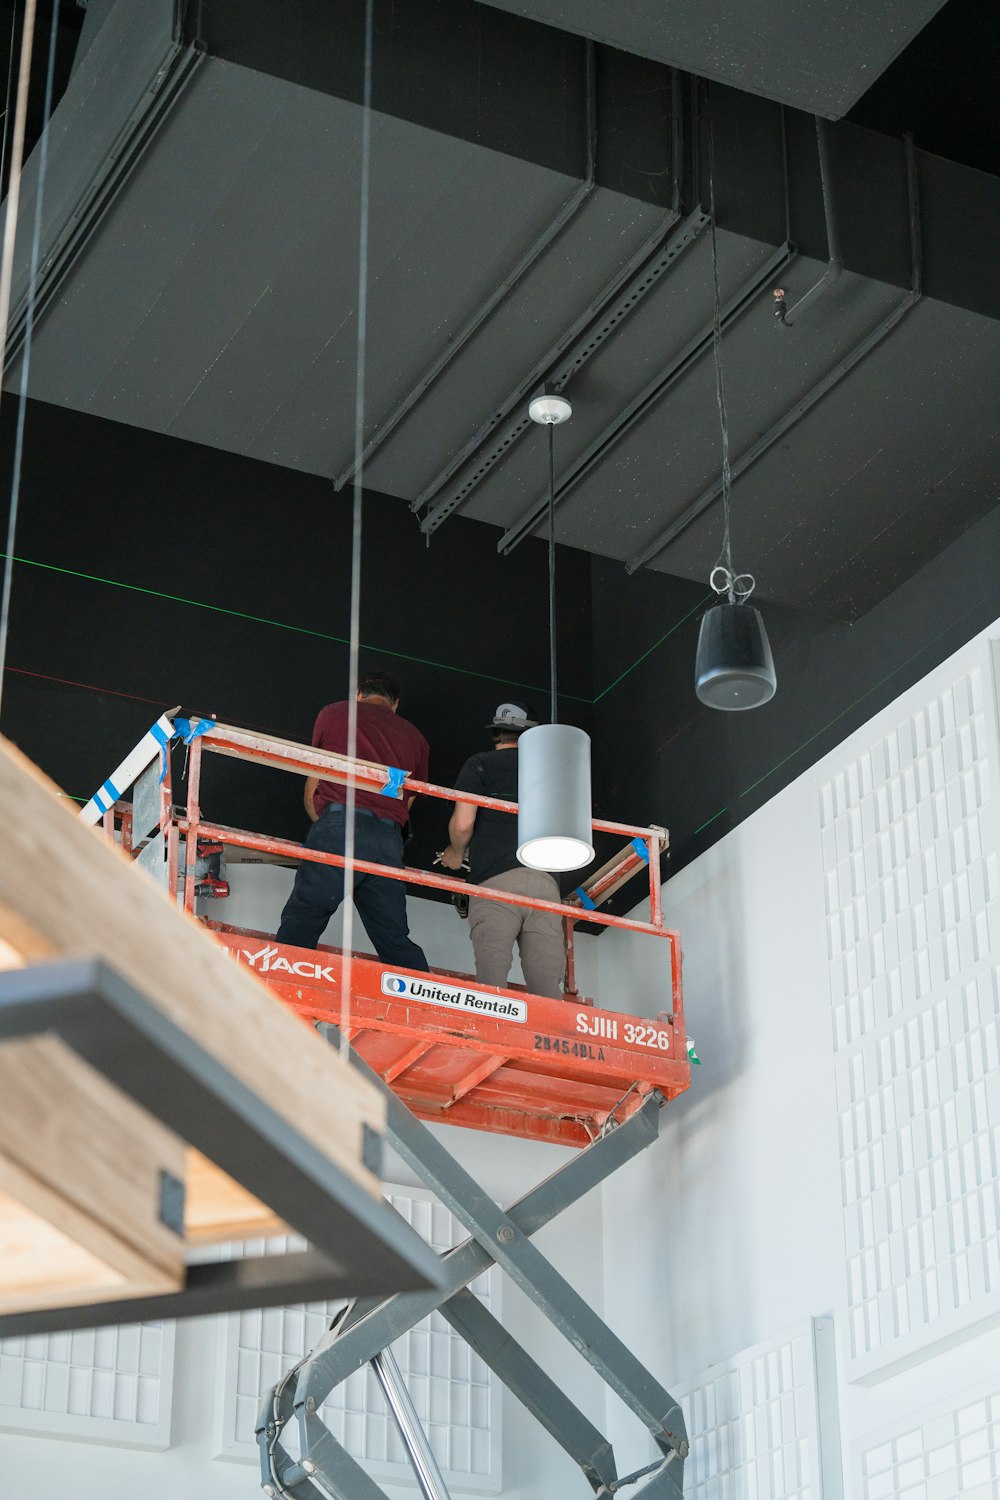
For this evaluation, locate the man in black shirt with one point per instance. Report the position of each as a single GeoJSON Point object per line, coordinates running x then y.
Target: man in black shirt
{"type": "Point", "coordinates": [491, 840]}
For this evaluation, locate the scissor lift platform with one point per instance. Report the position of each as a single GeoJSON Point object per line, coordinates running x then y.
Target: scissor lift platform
{"type": "Point", "coordinates": [491, 1059]}
{"type": "Point", "coordinates": [443, 1048]}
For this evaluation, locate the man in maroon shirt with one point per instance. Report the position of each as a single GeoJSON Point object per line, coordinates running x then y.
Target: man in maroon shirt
{"type": "Point", "coordinates": [388, 740]}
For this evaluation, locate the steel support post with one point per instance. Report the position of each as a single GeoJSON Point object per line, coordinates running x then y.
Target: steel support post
{"type": "Point", "coordinates": [533, 1388]}
{"type": "Point", "coordinates": [415, 1440]}
{"type": "Point", "coordinates": [529, 1269]}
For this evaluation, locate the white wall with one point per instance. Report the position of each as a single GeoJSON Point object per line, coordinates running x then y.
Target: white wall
{"type": "Point", "coordinates": [846, 937]}
{"type": "Point", "coordinates": [853, 922]}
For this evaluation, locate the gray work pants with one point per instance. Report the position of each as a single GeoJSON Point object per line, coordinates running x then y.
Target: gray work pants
{"type": "Point", "coordinates": [495, 927]}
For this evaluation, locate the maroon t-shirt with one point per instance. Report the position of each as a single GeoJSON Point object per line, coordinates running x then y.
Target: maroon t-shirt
{"type": "Point", "coordinates": [382, 737]}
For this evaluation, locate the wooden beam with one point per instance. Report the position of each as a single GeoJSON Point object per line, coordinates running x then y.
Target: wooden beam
{"type": "Point", "coordinates": [217, 1208]}
{"type": "Point", "coordinates": [45, 1265]}
{"type": "Point", "coordinates": [64, 1127]}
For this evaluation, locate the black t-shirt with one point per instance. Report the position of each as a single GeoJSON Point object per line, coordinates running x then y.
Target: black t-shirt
{"type": "Point", "coordinates": [493, 773]}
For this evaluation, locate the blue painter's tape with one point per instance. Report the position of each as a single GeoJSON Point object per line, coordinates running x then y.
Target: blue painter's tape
{"type": "Point", "coordinates": [110, 791]}
{"type": "Point", "coordinates": [159, 734]}
{"type": "Point", "coordinates": [99, 802]}
{"type": "Point", "coordinates": [641, 849]}
{"type": "Point", "coordinates": [394, 785]}
{"type": "Point", "coordinates": [585, 899]}
{"type": "Point", "coordinates": [190, 729]}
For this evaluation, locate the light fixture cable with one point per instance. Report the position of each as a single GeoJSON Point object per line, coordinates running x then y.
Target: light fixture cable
{"type": "Point", "coordinates": [723, 579]}
{"type": "Point", "coordinates": [356, 534]}
{"type": "Point", "coordinates": [7, 277]}
{"type": "Point", "coordinates": [554, 699]}
{"type": "Point", "coordinates": [10, 90]}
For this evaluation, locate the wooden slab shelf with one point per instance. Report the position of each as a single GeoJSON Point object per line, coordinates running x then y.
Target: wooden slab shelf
{"type": "Point", "coordinates": [81, 1164]}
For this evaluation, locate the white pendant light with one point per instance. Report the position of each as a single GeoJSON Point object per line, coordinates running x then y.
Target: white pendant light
{"type": "Point", "coordinates": [553, 793]}
{"type": "Point", "coordinates": [553, 760]}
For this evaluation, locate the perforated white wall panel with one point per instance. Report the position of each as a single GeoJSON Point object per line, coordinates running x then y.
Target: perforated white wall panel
{"type": "Point", "coordinates": [949, 1452]}
{"type": "Point", "coordinates": [109, 1385]}
{"type": "Point", "coordinates": [456, 1395]}
{"type": "Point", "coordinates": [911, 849]}
{"type": "Point", "coordinates": [754, 1421]}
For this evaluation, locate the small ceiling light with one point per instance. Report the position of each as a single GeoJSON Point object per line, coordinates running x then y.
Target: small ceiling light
{"type": "Point", "coordinates": [553, 770]}
{"type": "Point", "coordinates": [549, 410]}
{"type": "Point", "coordinates": [734, 668]}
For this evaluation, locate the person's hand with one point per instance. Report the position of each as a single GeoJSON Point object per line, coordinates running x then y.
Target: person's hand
{"type": "Point", "coordinates": [451, 859]}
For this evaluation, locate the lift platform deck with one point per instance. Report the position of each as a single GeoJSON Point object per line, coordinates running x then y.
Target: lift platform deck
{"type": "Point", "coordinates": [452, 1050]}
{"type": "Point", "coordinates": [491, 1059]}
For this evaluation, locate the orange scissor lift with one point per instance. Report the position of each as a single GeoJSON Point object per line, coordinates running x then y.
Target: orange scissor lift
{"type": "Point", "coordinates": [445, 1048]}
{"type": "Point", "coordinates": [491, 1059]}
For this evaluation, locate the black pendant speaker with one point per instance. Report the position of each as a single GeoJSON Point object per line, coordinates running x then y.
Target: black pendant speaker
{"type": "Point", "coordinates": [734, 668]}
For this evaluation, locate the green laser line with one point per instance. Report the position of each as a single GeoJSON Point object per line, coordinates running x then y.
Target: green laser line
{"type": "Point", "coordinates": [322, 635]}
{"type": "Point", "coordinates": [239, 614]}
{"type": "Point", "coordinates": [866, 694]}
{"type": "Point", "coordinates": [676, 626]}
{"type": "Point", "coordinates": [709, 820]}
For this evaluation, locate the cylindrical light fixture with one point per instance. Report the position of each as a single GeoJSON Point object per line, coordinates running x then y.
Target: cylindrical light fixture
{"type": "Point", "coordinates": [734, 668]}
{"type": "Point", "coordinates": [553, 760]}
{"type": "Point", "coordinates": [553, 795]}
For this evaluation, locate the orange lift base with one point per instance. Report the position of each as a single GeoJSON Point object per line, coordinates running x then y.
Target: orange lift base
{"type": "Point", "coordinates": [500, 1060]}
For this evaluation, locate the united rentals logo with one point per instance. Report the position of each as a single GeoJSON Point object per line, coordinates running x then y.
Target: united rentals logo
{"type": "Point", "coordinates": [502, 1007]}
{"type": "Point", "coordinates": [270, 961]}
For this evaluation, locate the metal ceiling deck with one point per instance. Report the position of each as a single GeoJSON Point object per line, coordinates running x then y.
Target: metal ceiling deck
{"type": "Point", "coordinates": [216, 298]}
{"type": "Point", "coordinates": [818, 55]}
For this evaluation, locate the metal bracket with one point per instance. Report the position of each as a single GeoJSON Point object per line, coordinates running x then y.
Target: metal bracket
{"type": "Point", "coordinates": [172, 1197]}
{"type": "Point", "coordinates": [372, 1149]}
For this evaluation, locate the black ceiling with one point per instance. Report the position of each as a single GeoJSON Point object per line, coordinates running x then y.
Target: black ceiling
{"type": "Point", "coordinates": [538, 208]}
{"type": "Point", "coordinates": [942, 88]}
{"type": "Point", "coordinates": [208, 287]}
{"type": "Point", "coordinates": [811, 54]}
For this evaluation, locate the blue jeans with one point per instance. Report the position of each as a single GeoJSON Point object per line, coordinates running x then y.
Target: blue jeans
{"type": "Point", "coordinates": [381, 903]}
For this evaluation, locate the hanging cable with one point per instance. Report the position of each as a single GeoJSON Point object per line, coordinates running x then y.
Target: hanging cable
{"type": "Point", "coordinates": [722, 579]}
{"type": "Point", "coordinates": [7, 277]}
{"type": "Point", "coordinates": [358, 494]}
{"type": "Point", "coordinates": [10, 87]}
{"type": "Point", "coordinates": [554, 699]}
